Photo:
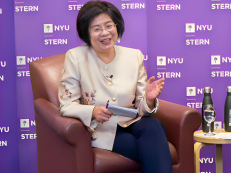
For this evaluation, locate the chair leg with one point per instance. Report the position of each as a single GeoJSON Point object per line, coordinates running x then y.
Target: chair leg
{"type": "Point", "coordinates": [197, 149]}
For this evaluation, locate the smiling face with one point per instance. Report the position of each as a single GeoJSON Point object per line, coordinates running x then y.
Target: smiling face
{"type": "Point", "coordinates": [103, 41]}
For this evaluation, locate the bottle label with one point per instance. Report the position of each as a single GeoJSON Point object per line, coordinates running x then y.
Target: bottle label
{"type": "Point", "coordinates": [230, 117]}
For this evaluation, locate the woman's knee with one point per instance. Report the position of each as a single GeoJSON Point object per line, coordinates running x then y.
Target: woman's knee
{"type": "Point", "coordinates": [150, 124]}
{"type": "Point", "coordinates": [150, 121]}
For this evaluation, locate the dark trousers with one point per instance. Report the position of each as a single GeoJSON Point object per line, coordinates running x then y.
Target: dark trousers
{"type": "Point", "coordinates": [145, 142]}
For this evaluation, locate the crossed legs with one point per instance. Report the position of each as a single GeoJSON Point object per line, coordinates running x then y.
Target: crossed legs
{"type": "Point", "coordinates": [145, 141]}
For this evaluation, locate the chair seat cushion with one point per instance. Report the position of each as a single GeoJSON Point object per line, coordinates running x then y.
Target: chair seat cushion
{"type": "Point", "coordinates": [106, 161]}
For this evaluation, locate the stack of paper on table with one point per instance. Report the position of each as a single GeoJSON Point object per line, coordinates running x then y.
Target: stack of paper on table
{"type": "Point", "coordinates": [218, 135]}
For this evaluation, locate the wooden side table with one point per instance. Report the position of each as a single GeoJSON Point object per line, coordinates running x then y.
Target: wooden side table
{"type": "Point", "coordinates": [205, 141]}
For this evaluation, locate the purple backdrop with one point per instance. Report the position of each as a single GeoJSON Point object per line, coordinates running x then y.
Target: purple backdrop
{"type": "Point", "coordinates": [187, 42]}
{"type": "Point", "coordinates": [8, 106]}
{"type": "Point", "coordinates": [184, 37]}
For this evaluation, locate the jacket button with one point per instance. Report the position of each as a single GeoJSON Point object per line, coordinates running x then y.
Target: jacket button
{"type": "Point", "coordinates": [109, 83]}
{"type": "Point", "coordinates": [105, 68]}
{"type": "Point", "coordinates": [113, 99]}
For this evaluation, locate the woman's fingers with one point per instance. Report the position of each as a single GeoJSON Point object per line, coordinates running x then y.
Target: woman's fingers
{"type": "Point", "coordinates": [150, 80]}
{"type": "Point", "coordinates": [104, 114]}
{"type": "Point", "coordinates": [160, 81]}
{"type": "Point", "coordinates": [104, 119]}
{"type": "Point", "coordinates": [106, 111]}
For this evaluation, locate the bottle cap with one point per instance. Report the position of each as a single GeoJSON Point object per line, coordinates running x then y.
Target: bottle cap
{"type": "Point", "coordinates": [207, 90]}
{"type": "Point", "coordinates": [229, 89]}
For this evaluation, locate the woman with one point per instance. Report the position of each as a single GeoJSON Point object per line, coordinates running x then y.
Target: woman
{"type": "Point", "coordinates": [101, 71]}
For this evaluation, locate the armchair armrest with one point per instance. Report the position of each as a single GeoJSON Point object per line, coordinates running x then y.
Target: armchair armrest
{"type": "Point", "coordinates": [70, 130]}
{"type": "Point", "coordinates": [180, 123]}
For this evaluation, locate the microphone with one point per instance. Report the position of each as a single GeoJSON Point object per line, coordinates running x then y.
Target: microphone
{"type": "Point", "coordinates": [110, 76]}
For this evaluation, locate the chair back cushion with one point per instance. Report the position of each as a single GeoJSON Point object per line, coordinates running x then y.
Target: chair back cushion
{"type": "Point", "coordinates": [45, 76]}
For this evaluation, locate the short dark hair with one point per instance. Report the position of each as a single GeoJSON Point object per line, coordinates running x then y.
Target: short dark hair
{"type": "Point", "coordinates": [92, 9]}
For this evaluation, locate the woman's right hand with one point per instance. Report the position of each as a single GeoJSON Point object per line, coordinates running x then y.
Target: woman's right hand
{"type": "Point", "coordinates": [101, 114]}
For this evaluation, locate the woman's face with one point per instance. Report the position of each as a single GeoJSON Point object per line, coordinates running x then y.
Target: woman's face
{"type": "Point", "coordinates": [103, 41]}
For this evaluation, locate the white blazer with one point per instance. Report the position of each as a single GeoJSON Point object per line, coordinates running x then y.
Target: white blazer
{"type": "Point", "coordinates": [85, 83]}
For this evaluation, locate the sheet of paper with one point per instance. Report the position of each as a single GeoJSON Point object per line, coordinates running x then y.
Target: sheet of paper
{"type": "Point", "coordinates": [123, 111]}
{"type": "Point", "coordinates": [218, 135]}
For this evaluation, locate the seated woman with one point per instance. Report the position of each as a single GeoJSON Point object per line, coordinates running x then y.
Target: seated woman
{"type": "Point", "coordinates": [100, 71]}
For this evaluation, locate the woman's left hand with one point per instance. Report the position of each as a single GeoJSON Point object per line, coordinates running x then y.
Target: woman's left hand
{"type": "Point", "coordinates": [153, 89]}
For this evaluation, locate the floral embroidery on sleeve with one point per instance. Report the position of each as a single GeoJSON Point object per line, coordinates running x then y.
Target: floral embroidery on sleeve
{"type": "Point", "coordinates": [67, 91]}
{"type": "Point", "coordinates": [89, 98]}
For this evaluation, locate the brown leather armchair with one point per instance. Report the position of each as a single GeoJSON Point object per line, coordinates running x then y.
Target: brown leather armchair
{"type": "Point", "coordinates": [64, 144]}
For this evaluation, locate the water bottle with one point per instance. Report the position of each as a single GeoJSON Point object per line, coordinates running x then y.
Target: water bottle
{"type": "Point", "coordinates": [206, 100]}
{"type": "Point", "coordinates": [227, 111]}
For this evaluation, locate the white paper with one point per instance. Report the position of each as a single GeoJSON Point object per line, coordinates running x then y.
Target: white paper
{"type": "Point", "coordinates": [123, 111]}
{"type": "Point", "coordinates": [218, 135]}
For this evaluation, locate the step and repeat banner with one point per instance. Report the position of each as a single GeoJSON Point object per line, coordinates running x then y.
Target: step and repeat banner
{"type": "Point", "coordinates": [9, 126]}
{"type": "Point", "coordinates": [189, 45]}
{"type": "Point", "coordinates": [186, 42]}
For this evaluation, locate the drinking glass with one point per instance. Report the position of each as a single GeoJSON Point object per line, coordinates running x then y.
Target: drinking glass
{"type": "Point", "coordinates": [209, 116]}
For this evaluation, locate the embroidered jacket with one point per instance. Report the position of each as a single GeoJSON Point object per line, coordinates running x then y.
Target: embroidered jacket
{"type": "Point", "coordinates": [86, 82]}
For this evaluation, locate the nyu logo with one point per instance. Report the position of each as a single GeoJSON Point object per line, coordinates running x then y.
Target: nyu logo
{"type": "Point", "coordinates": [21, 60]}
{"type": "Point", "coordinates": [191, 27]}
{"type": "Point", "coordinates": [192, 91]}
{"type": "Point", "coordinates": [26, 123]}
{"type": "Point", "coordinates": [48, 28]}
{"type": "Point", "coordinates": [132, 5]}
{"type": "Point", "coordinates": [217, 125]}
{"type": "Point", "coordinates": [161, 60]}
{"type": "Point", "coordinates": [216, 59]}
